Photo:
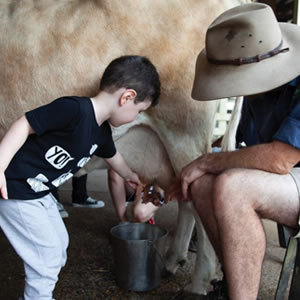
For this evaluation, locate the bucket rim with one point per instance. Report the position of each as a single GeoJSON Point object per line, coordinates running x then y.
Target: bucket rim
{"type": "Point", "coordinates": [166, 231]}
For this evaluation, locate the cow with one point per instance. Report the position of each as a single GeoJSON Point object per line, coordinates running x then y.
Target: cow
{"type": "Point", "coordinates": [50, 49]}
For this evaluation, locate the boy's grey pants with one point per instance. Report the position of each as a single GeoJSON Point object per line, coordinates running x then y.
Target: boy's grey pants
{"type": "Point", "coordinates": [39, 236]}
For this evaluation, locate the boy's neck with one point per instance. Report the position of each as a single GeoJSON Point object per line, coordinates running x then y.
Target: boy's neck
{"type": "Point", "coordinates": [104, 104]}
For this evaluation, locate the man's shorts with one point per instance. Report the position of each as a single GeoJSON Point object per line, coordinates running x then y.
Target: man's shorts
{"type": "Point", "coordinates": [295, 173]}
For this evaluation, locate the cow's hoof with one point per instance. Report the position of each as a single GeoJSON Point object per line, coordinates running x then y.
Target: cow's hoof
{"type": "Point", "coordinates": [167, 274]}
{"type": "Point", "coordinates": [182, 262]}
{"type": "Point", "coordinates": [184, 295]}
{"type": "Point", "coordinates": [173, 265]}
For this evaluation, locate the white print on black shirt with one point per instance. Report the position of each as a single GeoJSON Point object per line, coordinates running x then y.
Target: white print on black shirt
{"type": "Point", "coordinates": [58, 157]}
{"type": "Point", "coordinates": [62, 179]}
{"type": "Point", "coordinates": [83, 162]}
{"type": "Point", "coordinates": [93, 149]}
{"type": "Point", "coordinates": [37, 183]}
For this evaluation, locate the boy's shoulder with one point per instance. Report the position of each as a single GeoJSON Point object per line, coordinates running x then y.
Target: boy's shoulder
{"type": "Point", "coordinates": [75, 98]}
{"type": "Point", "coordinates": [70, 102]}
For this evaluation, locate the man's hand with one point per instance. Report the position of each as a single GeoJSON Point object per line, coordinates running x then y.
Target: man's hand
{"type": "Point", "coordinates": [189, 174]}
{"type": "Point", "coordinates": [3, 187]}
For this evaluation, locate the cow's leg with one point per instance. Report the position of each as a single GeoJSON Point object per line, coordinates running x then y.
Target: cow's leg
{"type": "Point", "coordinates": [177, 252]}
{"type": "Point", "coordinates": [206, 262]}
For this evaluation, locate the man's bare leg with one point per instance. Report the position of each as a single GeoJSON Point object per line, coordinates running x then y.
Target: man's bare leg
{"type": "Point", "coordinates": [240, 198]}
{"type": "Point", "coordinates": [201, 193]}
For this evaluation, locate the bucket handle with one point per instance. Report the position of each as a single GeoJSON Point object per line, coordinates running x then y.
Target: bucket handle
{"type": "Point", "coordinates": [159, 255]}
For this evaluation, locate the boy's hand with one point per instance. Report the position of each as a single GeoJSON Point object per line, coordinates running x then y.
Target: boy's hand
{"type": "Point", "coordinates": [133, 181]}
{"type": "Point", "coordinates": [3, 187]}
{"type": "Point", "coordinates": [140, 189]}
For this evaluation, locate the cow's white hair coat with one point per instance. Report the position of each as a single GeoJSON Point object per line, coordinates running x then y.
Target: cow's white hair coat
{"type": "Point", "coordinates": [54, 48]}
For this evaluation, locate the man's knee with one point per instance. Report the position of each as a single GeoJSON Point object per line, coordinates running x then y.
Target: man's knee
{"type": "Point", "coordinates": [200, 192]}
{"type": "Point", "coordinates": [227, 181]}
{"type": "Point", "coordinates": [228, 191]}
{"type": "Point", "coordinates": [211, 189]}
{"type": "Point", "coordinates": [202, 188]}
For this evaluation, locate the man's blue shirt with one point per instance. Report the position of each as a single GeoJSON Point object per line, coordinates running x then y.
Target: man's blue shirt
{"type": "Point", "coordinates": [274, 115]}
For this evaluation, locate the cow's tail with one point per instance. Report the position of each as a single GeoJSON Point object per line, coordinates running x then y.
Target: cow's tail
{"type": "Point", "coordinates": [229, 139]}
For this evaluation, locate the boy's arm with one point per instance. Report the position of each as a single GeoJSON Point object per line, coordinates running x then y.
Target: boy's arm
{"type": "Point", "coordinates": [118, 164]}
{"type": "Point", "coordinates": [10, 144]}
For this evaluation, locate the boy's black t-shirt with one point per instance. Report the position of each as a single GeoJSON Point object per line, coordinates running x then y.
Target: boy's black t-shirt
{"type": "Point", "coordinates": [66, 136]}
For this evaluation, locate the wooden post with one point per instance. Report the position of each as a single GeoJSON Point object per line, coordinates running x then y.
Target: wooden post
{"type": "Point", "coordinates": [296, 17]}
{"type": "Point", "coordinates": [287, 267]}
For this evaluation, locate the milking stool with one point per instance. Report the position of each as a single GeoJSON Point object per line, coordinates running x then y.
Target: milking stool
{"type": "Point", "coordinates": [291, 262]}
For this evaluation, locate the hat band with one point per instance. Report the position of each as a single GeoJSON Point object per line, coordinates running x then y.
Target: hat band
{"type": "Point", "coordinates": [249, 60]}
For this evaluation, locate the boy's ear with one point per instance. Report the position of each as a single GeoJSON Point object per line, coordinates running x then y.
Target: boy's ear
{"type": "Point", "coordinates": [127, 96]}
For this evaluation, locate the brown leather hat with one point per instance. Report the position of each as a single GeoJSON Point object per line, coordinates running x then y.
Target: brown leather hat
{"type": "Point", "coordinates": [246, 52]}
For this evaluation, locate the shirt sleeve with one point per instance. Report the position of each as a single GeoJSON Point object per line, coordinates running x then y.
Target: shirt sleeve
{"type": "Point", "coordinates": [108, 149]}
{"type": "Point", "coordinates": [289, 131]}
{"type": "Point", "coordinates": [56, 115]}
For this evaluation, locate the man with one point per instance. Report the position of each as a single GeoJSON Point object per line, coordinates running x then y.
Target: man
{"type": "Point", "coordinates": [248, 53]}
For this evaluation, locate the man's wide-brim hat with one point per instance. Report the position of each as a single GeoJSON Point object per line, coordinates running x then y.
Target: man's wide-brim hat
{"type": "Point", "coordinates": [246, 52]}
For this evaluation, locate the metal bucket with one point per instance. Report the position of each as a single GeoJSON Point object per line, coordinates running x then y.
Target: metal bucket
{"type": "Point", "coordinates": [137, 261]}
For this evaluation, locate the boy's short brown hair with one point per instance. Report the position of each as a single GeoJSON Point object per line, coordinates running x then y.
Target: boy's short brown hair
{"type": "Point", "coordinates": [133, 72]}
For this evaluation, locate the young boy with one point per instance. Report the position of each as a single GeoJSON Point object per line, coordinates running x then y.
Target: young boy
{"type": "Point", "coordinates": [47, 145]}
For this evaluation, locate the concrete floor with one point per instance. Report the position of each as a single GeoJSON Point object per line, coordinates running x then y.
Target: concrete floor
{"type": "Point", "coordinates": [97, 220]}
{"type": "Point", "coordinates": [97, 181]}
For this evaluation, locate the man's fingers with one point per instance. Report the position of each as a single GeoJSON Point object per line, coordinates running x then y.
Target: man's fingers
{"type": "Point", "coordinates": [168, 198]}
{"type": "Point", "coordinates": [172, 192]}
{"type": "Point", "coordinates": [184, 188]}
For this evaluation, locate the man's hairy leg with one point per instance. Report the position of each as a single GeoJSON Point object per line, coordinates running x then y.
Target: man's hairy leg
{"type": "Point", "coordinates": [240, 198]}
{"type": "Point", "coordinates": [201, 192]}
